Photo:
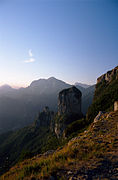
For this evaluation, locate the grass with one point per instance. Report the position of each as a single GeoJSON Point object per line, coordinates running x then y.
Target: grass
{"type": "Point", "coordinates": [105, 96]}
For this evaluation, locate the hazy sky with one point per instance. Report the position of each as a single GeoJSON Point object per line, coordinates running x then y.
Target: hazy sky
{"type": "Point", "coordinates": [73, 40]}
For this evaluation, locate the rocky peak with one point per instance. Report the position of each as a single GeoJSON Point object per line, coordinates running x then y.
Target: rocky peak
{"type": "Point", "coordinates": [46, 109]}
{"type": "Point", "coordinates": [69, 101]}
{"type": "Point", "coordinates": [44, 118]}
{"type": "Point", "coordinates": [97, 118]}
{"type": "Point", "coordinates": [109, 76]}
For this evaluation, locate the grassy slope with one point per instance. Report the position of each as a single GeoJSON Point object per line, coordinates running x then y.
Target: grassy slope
{"type": "Point", "coordinates": [92, 154]}
{"type": "Point", "coordinates": [105, 96]}
{"type": "Point", "coordinates": [18, 145]}
{"type": "Point", "coordinates": [29, 141]}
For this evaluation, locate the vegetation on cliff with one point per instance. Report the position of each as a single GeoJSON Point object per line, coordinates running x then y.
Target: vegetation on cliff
{"type": "Point", "coordinates": [106, 93]}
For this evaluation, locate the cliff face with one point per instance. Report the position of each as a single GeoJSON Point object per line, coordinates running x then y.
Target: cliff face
{"type": "Point", "coordinates": [69, 101]}
{"type": "Point", "coordinates": [69, 109]}
{"type": "Point", "coordinates": [106, 93]}
{"type": "Point", "coordinates": [109, 75]}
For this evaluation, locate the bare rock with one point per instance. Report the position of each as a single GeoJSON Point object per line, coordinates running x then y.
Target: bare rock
{"type": "Point", "coordinates": [69, 101]}
{"type": "Point", "coordinates": [97, 118]}
{"type": "Point", "coordinates": [109, 75]}
{"type": "Point", "coordinates": [116, 106]}
{"type": "Point", "coordinates": [69, 109]}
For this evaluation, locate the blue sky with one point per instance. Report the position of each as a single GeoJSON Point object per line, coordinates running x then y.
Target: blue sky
{"type": "Point", "coordinates": [72, 40]}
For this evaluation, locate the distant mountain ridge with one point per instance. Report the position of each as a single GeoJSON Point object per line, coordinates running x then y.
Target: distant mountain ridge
{"type": "Point", "coordinates": [82, 85]}
{"type": "Point", "coordinates": [18, 107]}
{"type": "Point", "coordinates": [5, 86]}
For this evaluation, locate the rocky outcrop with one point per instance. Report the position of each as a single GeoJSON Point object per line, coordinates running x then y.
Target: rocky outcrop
{"type": "Point", "coordinates": [69, 101]}
{"type": "Point", "coordinates": [97, 118]}
{"type": "Point", "coordinates": [44, 118]}
{"type": "Point", "coordinates": [116, 106]}
{"type": "Point", "coordinates": [69, 109]}
{"type": "Point", "coordinates": [106, 93]}
{"type": "Point", "coordinates": [109, 75]}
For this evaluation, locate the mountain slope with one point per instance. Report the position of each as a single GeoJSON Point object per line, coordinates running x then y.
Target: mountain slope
{"type": "Point", "coordinates": [106, 93]}
{"type": "Point", "coordinates": [93, 154]}
{"type": "Point", "coordinates": [39, 137]}
{"type": "Point", "coordinates": [26, 142]}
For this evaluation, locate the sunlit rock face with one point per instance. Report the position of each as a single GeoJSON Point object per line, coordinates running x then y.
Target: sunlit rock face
{"type": "Point", "coordinates": [69, 101]}
{"type": "Point", "coordinates": [109, 76]}
{"type": "Point", "coordinates": [116, 106]}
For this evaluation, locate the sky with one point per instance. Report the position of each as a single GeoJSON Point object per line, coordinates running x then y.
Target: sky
{"type": "Point", "coordinates": [72, 40]}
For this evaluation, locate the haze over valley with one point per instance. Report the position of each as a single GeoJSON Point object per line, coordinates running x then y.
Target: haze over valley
{"type": "Point", "coordinates": [28, 102]}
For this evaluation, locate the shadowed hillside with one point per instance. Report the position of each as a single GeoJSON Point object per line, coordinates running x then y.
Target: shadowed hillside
{"type": "Point", "coordinates": [47, 132]}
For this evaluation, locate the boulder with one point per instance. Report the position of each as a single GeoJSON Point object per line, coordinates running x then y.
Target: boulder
{"type": "Point", "coordinates": [97, 118]}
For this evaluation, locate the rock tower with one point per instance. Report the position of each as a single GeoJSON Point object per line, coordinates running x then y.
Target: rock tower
{"type": "Point", "coordinates": [69, 101]}
{"type": "Point", "coordinates": [69, 109]}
